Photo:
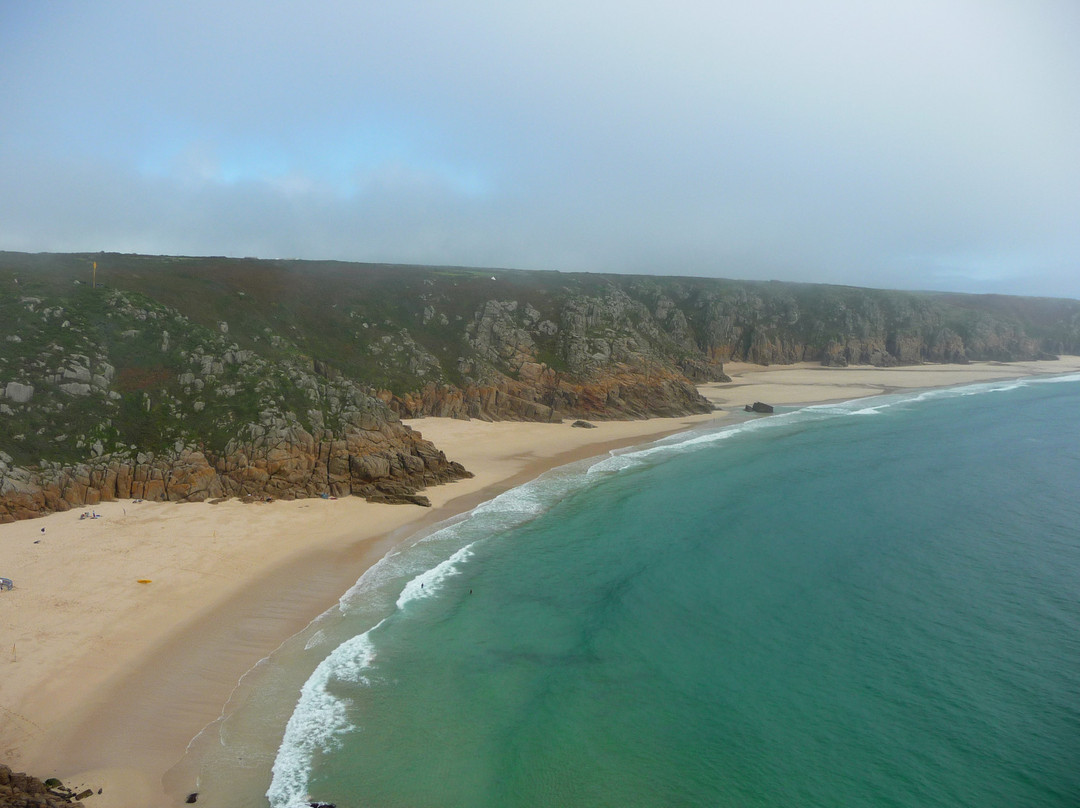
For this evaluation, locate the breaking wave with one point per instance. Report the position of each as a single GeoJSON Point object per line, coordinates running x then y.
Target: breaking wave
{"type": "Point", "coordinates": [420, 568]}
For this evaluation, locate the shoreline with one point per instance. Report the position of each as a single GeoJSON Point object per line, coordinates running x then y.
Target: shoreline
{"type": "Point", "coordinates": [100, 669]}
{"type": "Point", "coordinates": [105, 681]}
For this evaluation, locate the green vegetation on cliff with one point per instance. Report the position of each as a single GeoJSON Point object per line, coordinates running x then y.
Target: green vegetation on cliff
{"type": "Point", "coordinates": [170, 354]}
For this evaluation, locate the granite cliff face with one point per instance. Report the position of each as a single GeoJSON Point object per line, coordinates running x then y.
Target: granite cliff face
{"type": "Point", "coordinates": [122, 397]}
{"type": "Point", "coordinates": [193, 378]}
{"type": "Point", "coordinates": [784, 323]}
{"type": "Point", "coordinates": [389, 463]}
{"type": "Point", "coordinates": [541, 394]}
{"type": "Point", "coordinates": [599, 356]}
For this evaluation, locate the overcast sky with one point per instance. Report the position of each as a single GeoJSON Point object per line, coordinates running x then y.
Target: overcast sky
{"type": "Point", "coordinates": [903, 143]}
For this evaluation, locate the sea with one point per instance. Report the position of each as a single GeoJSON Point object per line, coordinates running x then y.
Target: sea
{"type": "Point", "coordinates": [872, 603]}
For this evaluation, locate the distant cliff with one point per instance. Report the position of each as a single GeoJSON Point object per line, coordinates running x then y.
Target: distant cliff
{"type": "Point", "coordinates": [191, 378]}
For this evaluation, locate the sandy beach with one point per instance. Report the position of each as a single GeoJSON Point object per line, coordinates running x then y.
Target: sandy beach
{"type": "Point", "coordinates": [126, 634]}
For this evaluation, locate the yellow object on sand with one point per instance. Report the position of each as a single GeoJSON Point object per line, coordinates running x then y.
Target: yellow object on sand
{"type": "Point", "coordinates": [144, 580]}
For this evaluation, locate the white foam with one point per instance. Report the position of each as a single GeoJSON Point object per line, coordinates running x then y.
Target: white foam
{"type": "Point", "coordinates": [614, 463]}
{"type": "Point", "coordinates": [428, 583]}
{"type": "Point", "coordinates": [999, 386]}
{"type": "Point", "coordinates": [1071, 377]}
{"type": "Point", "coordinates": [522, 499]}
{"type": "Point", "coordinates": [426, 554]}
{"type": "Point", "coordinates": [318, 638]}
{"type": "Point", "coordinates": [384, 570]}
{"type": "Point", "coordinates": [873, 405]}
{"type": "Point", "coordinates": [398, 563]}
{"type": "Point", "coordinates": [868, 411]}
{"type": "Point", "coordinates": [318, 722]}
{"type": "Point", "coordinates": [320, 718]}
{"type": "Point", "coordinates": [689, 441]}
{"type": "Point", "coordinates": [989, 388]}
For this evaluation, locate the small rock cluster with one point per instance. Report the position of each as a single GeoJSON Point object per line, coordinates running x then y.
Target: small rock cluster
{"type": "Point", "coordinates": [19, 790]}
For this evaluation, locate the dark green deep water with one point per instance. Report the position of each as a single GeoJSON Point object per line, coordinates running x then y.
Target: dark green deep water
{"type": "Point", "coordinates": [870, 604]}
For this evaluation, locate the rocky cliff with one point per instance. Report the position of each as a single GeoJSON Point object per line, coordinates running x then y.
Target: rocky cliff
{"type": "Point", "coordinates": [388, 463]}
{"type": "Point", "coordinates": [192, 378]}
{"type": "Point", "coordinates": [782, 323]}
{"type": "Point", "coordinates": [20, 790]}
{"type": "Point", "coordinates": [117, 396]}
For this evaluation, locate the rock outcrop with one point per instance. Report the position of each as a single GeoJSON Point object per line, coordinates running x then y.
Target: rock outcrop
{"type": "Point", "coordinates": [386, 462]}
{"type": "Point", "coordinates": [20, 790]}
{"type": "Point", "coordinates": [541, 394]}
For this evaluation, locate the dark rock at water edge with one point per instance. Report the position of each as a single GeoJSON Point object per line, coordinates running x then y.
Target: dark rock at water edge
{"type": "Point", "coordinates": [758, 406]}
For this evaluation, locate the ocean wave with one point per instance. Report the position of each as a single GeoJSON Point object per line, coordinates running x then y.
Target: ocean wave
{"type": "Point", "coordinates": [521, 500]}
{"type": "Point", "coordinates": [426, 561]}
{"type": "Point", "coordinates": [1065, 378]}
{"type": "Point", "coordinates": [320, 718]}
{"type": "Point", "coordinates": [403, 561]}
{"type": "Point", "coordinates": [997, 386]}
{"type": "Point", "coordinates": [429, 555]}
{"type": "Point", "coordinates": [871, 405]}
{"type": "Point", "coordinates": [427, 584]}
{"type": "Point", "coordinates": [318, 722]}
{"type": "Point", "coordinates": [316, 639]}
{"type": "Point", "coordinates": [614, 463]}
{"type": "Point", "coordinates": [390, 567]}
{"type": "Point", "coordinates": [699, 439]}
{"type": "Point", "coordinates": [869, 411]}
{"type": "Point", "coordinates": [992, 388]}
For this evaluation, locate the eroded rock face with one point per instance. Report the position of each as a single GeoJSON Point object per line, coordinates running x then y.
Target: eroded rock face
{"type": "Point", "coordinates": [547, 396]}
{"type": "Point", "coordinates": [614, 356]}
{"type": "Point", "coordinates": [387, 463]}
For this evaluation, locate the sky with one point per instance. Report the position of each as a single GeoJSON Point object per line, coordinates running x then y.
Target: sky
{"type": "Point", "coordinates": [923, 144]}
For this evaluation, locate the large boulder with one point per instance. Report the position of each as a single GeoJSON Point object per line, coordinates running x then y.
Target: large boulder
{"type": "Point", "coordinates": [19, 393]}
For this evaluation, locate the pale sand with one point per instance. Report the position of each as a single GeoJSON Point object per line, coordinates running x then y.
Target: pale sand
{"type": "Point", "coordinates": [105, 680]}
{"type": "Point", "coordinates": [809, 382]}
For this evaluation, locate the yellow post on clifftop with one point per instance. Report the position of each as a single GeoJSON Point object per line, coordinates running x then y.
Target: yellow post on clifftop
{"type": "Point", "coordinates": [93, 279]}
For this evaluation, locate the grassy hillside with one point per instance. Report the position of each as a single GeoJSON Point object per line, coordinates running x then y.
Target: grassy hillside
{"type": "Point", "coordinates": [169, 351]}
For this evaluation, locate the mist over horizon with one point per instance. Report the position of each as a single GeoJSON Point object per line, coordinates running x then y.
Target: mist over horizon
{"type": "Point", "coordinates": [925, 147]}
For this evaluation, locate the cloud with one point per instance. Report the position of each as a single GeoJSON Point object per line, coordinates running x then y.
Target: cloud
{"type": "Point", "coordinates": [913, 145]}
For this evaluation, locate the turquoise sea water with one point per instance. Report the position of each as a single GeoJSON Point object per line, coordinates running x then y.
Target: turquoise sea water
{"type": "Point", "coordinates": [868, 604]}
